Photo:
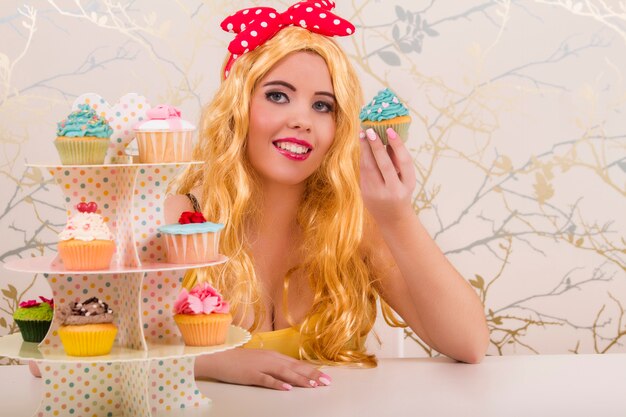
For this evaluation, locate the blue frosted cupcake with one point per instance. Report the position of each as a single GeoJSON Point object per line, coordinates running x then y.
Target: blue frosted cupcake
{"type": "Point", "coordinates": [192, 240]}
{"type": "Point", "coordinates": [83, 138]}
{"type": "Point", "coordinates": [385, 111]}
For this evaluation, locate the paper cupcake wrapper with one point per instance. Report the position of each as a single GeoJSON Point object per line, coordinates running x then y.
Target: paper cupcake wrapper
{"type": "Point", "coordinates": [193, 248]}
{"type": "Point", "coordinates": [88, 342]}
{"type": "Point", "coordinates": [82, 151]}
{"type": "Point", "coordinates": [203, 330]}
{"type": "Point", "coordinates": [33, 330]}
{"type": "Point", "coordinates": [155, 147]}
{"type": "Point", "coordinates": [78, 255]}
{"type": "Point", "coordinates": [402, 129]}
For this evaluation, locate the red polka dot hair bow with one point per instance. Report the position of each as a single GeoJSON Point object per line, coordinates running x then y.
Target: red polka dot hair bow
{"type": "Point", "coordinates": [254, 26]}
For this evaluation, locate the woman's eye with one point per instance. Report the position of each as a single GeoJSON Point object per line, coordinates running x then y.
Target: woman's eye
{"type": "Point", "coordinates": [277, 97]}
{"type": "Point", "coordinates": [323, 107]}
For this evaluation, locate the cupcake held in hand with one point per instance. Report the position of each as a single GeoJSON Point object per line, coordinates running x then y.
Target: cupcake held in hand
{"type": "Point", "coordinates": [87, 328]}
{"type": "Point", "coordinates": [86, 242]}
{"type": "Point", "coordinates": [192, 239]}
{"type": "Point", "coordinates": [34, 319]}
{"type": "Point", "coordinates": [202, 316]}
{"type": "Point", "coordinates": [386, 111]}
{"type": "Point", "coordinates": [83, 138]}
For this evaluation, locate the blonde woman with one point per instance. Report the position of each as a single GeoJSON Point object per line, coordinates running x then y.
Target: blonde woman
{"type": "Point", "coordinates": [318, 216]}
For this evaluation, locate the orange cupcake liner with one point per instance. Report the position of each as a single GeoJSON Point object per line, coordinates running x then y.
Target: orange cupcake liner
{"type": "Point", "coordinates": [82, 255]}
{"type": "Point", "coordinates": [203, 329]}
{"type": "Point", "coordinates": [164, 146]}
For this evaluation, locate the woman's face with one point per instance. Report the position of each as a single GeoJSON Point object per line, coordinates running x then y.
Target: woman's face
{"type": "Point", "coordinates": [292, 119]}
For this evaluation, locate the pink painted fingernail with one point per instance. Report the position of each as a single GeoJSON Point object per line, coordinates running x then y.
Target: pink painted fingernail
{"type": "Point", "coordinates": [313, 383]}
{"type": "Point", "coordinates": [391, 134]}
{"type": "Point", "coordinates": [371, 135]}
{"type": "Point", "coordinates": [325, 380]}
{"type": "Point", "coordinates": [361, 135]}
{"type": "Point", "coordinates": [287, 387]}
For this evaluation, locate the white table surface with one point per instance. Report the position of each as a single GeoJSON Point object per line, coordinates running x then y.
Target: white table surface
{"type": "Point", "coordinates": [534, 386]}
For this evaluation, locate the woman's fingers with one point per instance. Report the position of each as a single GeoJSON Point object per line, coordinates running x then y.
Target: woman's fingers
{"type": "Point", "coordinates": [401, 158]}
{"type": "Point", "coordinates": [383, 161]}
{"type": "Point", "coordinates": [369, 168]}
{"type": "Point", "coordinates": [260, 367]}
{"type": "Point", "coordinates": [304, 375]}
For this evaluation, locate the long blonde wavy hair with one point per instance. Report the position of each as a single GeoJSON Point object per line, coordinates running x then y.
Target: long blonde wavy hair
{"type": "Point", "coordinates": [331, 214]}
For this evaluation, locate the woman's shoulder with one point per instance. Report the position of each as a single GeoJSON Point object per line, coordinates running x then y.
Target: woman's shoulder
{"type": "Point", "coordinates": [174, 204]}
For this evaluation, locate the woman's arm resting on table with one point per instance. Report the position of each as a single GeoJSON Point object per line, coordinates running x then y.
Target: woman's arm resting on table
{"type": "Point", "coordinates": [264, 368]}
{"type": "Point", "coordinates": [416, 280]}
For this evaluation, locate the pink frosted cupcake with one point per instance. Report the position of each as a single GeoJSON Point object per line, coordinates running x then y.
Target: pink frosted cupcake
{"type": "Point", "coordinates": [164, 136]}
{"type": "Point", "coordinates": [191, 240]}
{"type": "Point", "coordinates": [202, 316]}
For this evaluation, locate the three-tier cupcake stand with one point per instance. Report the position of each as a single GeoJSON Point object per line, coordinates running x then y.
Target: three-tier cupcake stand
{"type": "Point", "coordinates": [150, 371]}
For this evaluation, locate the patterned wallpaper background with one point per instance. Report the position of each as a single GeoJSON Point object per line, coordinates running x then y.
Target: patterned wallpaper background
{"type": "Point", "coordinates": [519, 138]}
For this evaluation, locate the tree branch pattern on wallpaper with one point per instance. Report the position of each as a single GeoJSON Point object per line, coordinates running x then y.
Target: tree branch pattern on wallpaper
{"type": "Point", "coordinates": [519, 138]}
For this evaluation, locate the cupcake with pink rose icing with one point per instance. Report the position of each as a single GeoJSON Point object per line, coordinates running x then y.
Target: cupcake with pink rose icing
{"type": "Point", "coordinates": [164, 136]}
{"type": "Point", "coordinates": [202, 316]}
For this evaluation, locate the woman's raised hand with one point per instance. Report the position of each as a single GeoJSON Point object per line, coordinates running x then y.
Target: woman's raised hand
{"type": "Point", "coordinates": [264, 368]}
{"type": "Point", "coordinates": [387, 176]}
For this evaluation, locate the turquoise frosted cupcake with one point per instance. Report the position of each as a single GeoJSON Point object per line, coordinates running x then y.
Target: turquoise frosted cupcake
{"type": "Point", "coordinates": [83, 138]}
{"type": "Point", "coordinates": [191, 240]}
{"type": "Point", "coordinates": [385, 111]}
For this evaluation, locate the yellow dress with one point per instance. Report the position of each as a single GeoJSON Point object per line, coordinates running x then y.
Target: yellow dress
{"type": "Point", "coordinates": [285, 341]}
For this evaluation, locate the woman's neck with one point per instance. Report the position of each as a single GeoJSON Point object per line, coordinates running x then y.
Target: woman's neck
{"type": "Point", "coordinates": [279, 208]}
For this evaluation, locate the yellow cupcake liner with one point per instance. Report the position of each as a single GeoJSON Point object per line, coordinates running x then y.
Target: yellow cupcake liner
{"type": "Point", "coordinates": [88, 339]}
{"type": "Point", "coordinates": [401, 128]}
{"type": "Point", "coordinates": [203, 329]}
{"type": "Point", "coordinates": [82, 151]}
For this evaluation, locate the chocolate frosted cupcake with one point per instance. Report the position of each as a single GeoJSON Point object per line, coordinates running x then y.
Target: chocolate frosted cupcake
{"type": "Point", "coordinates": [87, 328]}
{"type": "Point", "coordinates": [385, 111]}
{"type": "Point", "coordinates": [34, 319]}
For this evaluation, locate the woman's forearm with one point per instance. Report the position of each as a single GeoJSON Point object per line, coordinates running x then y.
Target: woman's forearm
{"type": "Point", "coordinates": [450, 313]}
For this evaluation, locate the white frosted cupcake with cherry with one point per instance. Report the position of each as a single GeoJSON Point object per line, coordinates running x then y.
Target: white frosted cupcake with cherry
{"type": "Point", "coordinates": [86, 243]}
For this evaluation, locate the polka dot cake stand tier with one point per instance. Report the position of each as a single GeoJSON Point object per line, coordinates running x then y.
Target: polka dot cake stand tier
{"type": "Point", "coordinates": [149, 371]}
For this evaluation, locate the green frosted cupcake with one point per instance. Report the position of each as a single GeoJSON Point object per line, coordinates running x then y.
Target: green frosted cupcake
{"type": "Point", "coordinates": [83, 138]}
{"type": "Point", "coordinates": [385, 111]}
{"type": "Point", "coordinates": [34, 319]}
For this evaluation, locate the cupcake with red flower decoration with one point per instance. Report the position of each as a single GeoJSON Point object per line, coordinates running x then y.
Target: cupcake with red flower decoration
{"type": "Point", "coordinates": [86, 243]}
{"type": "Point", "coordinates": [202, 316]}
{"type": "Point", "coordinates": [192, 239]}
{"type": "Point", "coordinates": [34, 318]}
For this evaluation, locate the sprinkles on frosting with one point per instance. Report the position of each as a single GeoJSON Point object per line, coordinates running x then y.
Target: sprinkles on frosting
{"type": "Point", "coordinates": [84, 122]}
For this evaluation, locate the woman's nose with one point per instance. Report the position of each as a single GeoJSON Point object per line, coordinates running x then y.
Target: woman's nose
{"type": "Point", "coordinates": [300, 120]}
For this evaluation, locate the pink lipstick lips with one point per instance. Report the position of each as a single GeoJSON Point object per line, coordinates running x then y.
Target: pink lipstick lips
{"type": "Point", "coordinates": [294, 149]}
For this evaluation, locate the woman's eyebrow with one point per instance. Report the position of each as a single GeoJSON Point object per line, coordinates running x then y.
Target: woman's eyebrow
{"type": "Point", "coordinates": [326, 93]}
{"type": "Point", "coordinates": [283, 83]}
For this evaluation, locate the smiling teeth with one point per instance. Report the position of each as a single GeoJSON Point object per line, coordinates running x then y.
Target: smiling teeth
{"type": "Point", "coordinates": [293, 148]}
